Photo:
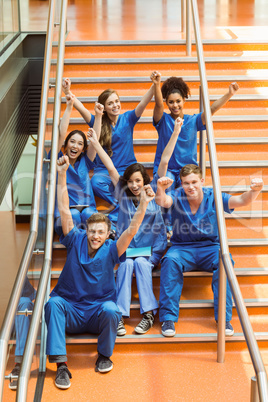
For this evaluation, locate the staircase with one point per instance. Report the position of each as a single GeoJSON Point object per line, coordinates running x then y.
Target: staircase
{"type": "Point", "coordinates": [183, 368]}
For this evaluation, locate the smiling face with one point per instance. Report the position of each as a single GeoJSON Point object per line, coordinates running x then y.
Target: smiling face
{"type": "Point", "coordinates": [74, 147]}
{"type": "Point", "coordinates": [175, 103]}
{"type": "Point", "coordinates": [97, 234]}
{"type": "Point", "coordinates": [112, 106]}
{"type": "Point", "coordinates": [135, 183]}
{"type": "Point", "coordinates": [192, 185]}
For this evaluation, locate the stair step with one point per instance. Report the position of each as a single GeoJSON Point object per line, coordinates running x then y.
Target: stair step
{"type": "Point", "coordinates": [158, 338]}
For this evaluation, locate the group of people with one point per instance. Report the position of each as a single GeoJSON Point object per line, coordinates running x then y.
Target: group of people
{"type": "Point", "coordinates": [143, 214]}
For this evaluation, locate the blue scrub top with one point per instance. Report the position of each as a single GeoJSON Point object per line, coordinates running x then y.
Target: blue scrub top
{"type": "Point", "coordinates": [122, 142]}
{"type": "Point", "coordinates": [185, 150]}
{"type": "Point", "coordinates": [78, 183]}
{"type": "Point", "coordinates": [152, 231]}
{"type": "Point", "coordinates": [200, 229]}
{"type": "Point", "coordinates": [86, 280]}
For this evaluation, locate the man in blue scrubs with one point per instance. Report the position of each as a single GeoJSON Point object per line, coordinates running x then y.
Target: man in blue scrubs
{"type": "Point", "coordinates": [84, 300]}
{"type": "Point", "coordinates": [195, 240]}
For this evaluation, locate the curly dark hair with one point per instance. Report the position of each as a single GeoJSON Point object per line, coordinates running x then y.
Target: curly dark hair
{"type": "Point", "coordinates": [173, 85]}
{"type": "Point", "coordinates": [135, 167]}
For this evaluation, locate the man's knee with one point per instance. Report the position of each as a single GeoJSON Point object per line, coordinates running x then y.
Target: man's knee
{"type": "Point", "coordinates": [110, 311]}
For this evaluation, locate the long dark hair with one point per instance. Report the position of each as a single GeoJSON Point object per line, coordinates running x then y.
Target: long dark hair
{"type": "Point", "coordinates": [106, 129]}
{"type": "Point", "coordinates": [135, 167]}
{"type": "Point", "coordinates": [73, 133]}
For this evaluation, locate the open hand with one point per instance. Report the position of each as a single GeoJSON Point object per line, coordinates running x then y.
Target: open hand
{"type": "Point", "coordinates": [256, 184]}
{"type": "Point", "coordinates": [63, 163]}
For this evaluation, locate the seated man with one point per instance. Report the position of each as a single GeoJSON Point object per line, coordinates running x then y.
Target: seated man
{"type": "Point", "coordinates": [84, 300]}
{"type": "Point", "coordinates": [195, 240]}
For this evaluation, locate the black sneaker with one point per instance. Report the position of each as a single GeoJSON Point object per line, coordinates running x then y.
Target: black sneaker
{"type": "Point", "coordinates": [168, 328]}
{"type": "Point", "coordinates": [121, 330]}
{"type": "Point", "coordinates": [63, 376]}
{"type": "Point", "coordinates": [145, 324]}
{"type": "Point", "coordinates": [112, 234]}
{"type": "Point", "coordinates": [14, 381]}
{"type": "Point", "coordinates": [103, 364]}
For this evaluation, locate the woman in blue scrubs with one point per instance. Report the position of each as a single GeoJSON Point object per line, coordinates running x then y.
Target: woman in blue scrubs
{"type": "Point", "coordinates": [81, 196]}
{"type": "Point", "coordinates": [175, 91]}
{"type": "Point", "coordinates": [151, 235]}
{"type": "Point", "coordinates": [116, 137]}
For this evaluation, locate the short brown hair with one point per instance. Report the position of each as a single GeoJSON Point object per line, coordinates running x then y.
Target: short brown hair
{"type": "Point", "coordinates": [99, 217]}
{"type": "Point", "coordinates": [188, 169]}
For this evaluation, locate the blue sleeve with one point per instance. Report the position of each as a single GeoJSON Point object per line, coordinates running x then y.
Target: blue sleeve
{"type": "Point", "coordinates": [90, 165]}
{"type": "Point", "coordinates": [132, 118]}
{"type": "Point", "coordinates": [199, 124]}
{"type": "Point", "coordinates": [117, 191]}
{"type": "Point", "coordinates": [225, 201]}
{"type": "Point", "coordinates": [154, 182]}
{"type": "Point", "coordinates": [115, 257]}
{"type": "Point", "coordinates": [160, 122]}
{"type": "Point", "coordinates": [69, 240]}
{"type": "Point", "coordinates": [91, 122]}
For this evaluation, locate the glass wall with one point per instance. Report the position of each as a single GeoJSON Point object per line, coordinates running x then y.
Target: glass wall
{"type": "Point", "coordinates": [9, 22]}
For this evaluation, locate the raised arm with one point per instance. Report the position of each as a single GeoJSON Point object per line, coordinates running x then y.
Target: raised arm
{"type": "Point", "coordinates": [238, 201]}
{"type": "Point", "coordinates": [161, 198]}
{"type": "Point", "coordinates": [144, 101]}
{"type": "Point", "coordinates": [219, 103]}
{"type": "Point", "coordinates": [159, 103]}
{"type": "Point", "coordinates": [91, 152]}
{"type": "Point", "coordinates": [66, 87]}
{"type": "Point", "coordinates": [105, 158]}
{"type": "Point", "coordinates": [166, 155]}
{"type": "Point", "coordinates": [63, 197]}
{"type": "Point", "coordinates": [124, 240]}
{"type": "Point", "coordinates": [64, 123]}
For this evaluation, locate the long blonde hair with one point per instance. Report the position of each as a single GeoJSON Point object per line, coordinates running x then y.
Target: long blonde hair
{"type": "Point", "coordinates": [106, 129]}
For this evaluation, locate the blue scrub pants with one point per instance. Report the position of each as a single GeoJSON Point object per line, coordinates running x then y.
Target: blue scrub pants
{"type": "Point", "coordinates": [79, 219]}
{"type": "Point", "coordinates": [143, 272]}
{"type": "Point", "coordinates": [98, 318]}
{"type": "Point", "coordinates": [22, 324]}
{"type": "Point", "coordinates": [101, 187]}
{"type": "Point", "coordinates": [178, 260]}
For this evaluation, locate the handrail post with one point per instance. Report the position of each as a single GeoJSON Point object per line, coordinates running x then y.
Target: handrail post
{"type": "Point", "coordinates": [221, 312]}
{"type": "Point", "coordinates": [188, 29]}
{"type": "Point", "coordinates": [202, 140]}
{"type": "Point", "coordinates": [183, 15]}
{"type": "Point", "coordinates": [254, 393]}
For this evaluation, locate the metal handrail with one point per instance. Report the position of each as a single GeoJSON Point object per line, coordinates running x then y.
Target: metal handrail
{"type": "Point", "coordinates": [238, 299]}
{"type": "Point", "coordinates": [29, 248]}
{"type": "Point", "coordinates": [41, 292]}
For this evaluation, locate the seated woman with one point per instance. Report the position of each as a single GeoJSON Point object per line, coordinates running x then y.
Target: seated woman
{"type": "Point", "coordinates": [81, 155]}
{"type": "Point", "coordinates": [149, 244]}
{"type": "Point", "coordinates": [115, 136]}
